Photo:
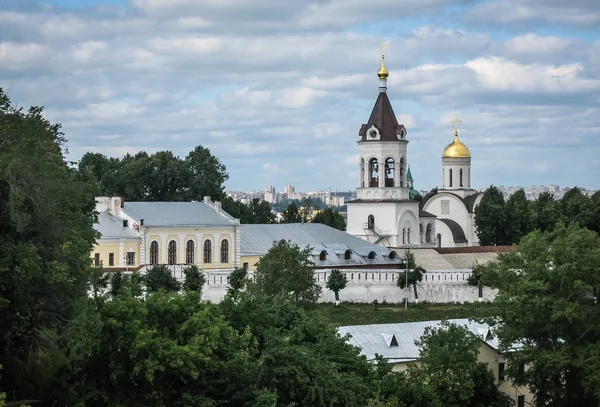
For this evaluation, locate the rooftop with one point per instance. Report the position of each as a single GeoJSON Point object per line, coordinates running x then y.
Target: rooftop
{"type": "Point", "coordinates": [112, 228]}
{"type": "Point", "coordinates": [165, 214]}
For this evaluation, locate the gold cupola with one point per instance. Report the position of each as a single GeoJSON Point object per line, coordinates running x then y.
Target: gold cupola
{"type": "Point", "coordinates": [383, 72]}
{"type": "Point", "coordinates": [456, 149]}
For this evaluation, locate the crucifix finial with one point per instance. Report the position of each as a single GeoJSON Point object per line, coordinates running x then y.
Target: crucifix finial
{"type": "Point", "coordinates": [383, 45]}
{"type": "Point", "coordinates": [456, 122]}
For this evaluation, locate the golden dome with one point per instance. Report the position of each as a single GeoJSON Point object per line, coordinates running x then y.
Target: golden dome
{"type": "Point", "coordinates": [383, 72]}
{"type": "Point", "coordinates": [456, 149]}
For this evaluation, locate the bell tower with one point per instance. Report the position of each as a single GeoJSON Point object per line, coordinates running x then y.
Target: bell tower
{"type": "Point", "coordinates": [456, 165]}
{"type": "Point", "coordinates": [382, 148]}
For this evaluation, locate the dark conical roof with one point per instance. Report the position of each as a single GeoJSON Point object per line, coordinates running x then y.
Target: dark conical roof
{"type": "Point", "coordinates": [384, 119]}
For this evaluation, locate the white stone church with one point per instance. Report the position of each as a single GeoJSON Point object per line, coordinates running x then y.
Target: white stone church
{"type": "Point", "coordinates": [388, 210]}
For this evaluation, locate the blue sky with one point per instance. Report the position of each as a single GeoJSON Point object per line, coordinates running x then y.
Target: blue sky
{"type": "Point", "coordinates": [278, 90]}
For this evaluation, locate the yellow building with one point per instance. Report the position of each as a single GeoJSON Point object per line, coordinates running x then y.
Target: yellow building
{"type": "Point", "coordinates": [396, 344]}
{"type": "Point", "coordinates": [134, 235]}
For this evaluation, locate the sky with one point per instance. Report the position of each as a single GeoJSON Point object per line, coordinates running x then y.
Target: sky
{"type": "Point", "coordinates": [279, 89]}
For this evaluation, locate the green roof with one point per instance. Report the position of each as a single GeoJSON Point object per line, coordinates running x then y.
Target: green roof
{"type": "Point", "coordinates": [409, 175]}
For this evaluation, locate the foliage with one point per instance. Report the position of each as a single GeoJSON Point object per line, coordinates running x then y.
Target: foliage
{"type": "Point", "coordinates": [287, 270]}
{"type": "Point", "coordinates": [256, 212]}
{"type": "Point", "coordinates": [291, 214]}
{"type": "Point", "coordinates": [336, 282]}
{"type": "Point", "coordinates": [518, 216]}
{"type": "Point", "coordinates": [46, 235]}
{"type": "Point", "coordinates": [237, 282]}
{"type": "Point", "coordinates": [490, 218]}
{"type": "Point", "coordinates": [330, 218]}
{"type": "Point", "coordinates": [415, 274]}
{"type": "Point", "coordinates": [194, 279]}
{"type": "Point", "coordinates": [161, 176]}
{"type": "Point", "coordinates": [546, 309]}
{"type": "Point", "coordinates": [544, 212]}
{"type": "Point", "coordinates": [160, 277]}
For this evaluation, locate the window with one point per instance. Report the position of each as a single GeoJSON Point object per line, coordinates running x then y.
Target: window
{"type": "Point", "coordinates": [421, 233]}
{"type": "Point", "coordinates": [111, 259]}
{"type": "Point", "coordinates": [97, 259]}
{"type": "Point", "coordinates": [480, 291]}
{"type": "Point", "coordinates": [450, 172]}
{"type": "Point", "coordinates": [402, 166]}
{"type": "Point", "coordinates": [130, 259]}
{"type": "Point", "coordinates": [521, 401]}
{"type": "Point", "coordinates": [189, 252]}
{"type": "Point", "coordinates": [373, 172]}
{"type": "Point", "coordinates": [403, 236]}
{"type": "Point", "coordinates": [224, 251]}
{"type": "Point", "coordinates": [207, 251]}
{"type": "Point", "coordinates": [460, 177]}
{"type": "Point", "coordinates": [371, 222]}
{"type": "Point", "coordinates": [371, 255]}
{"type": "Point", "coordinates": [154, 252]}
{"type": "Point", "coordinates": [501, 372]}
{"type": "Point", "coordinates": [445, 206]}
{"type": "Point", "coordinates": [408, 235]}
{"type": "Point", "coordinates": [428, 233]}
{"type": "Point", "coordinates": [245, 266]}
{"type": "Point", "coordinates": [172, 252]}
{"type": "Point", "coordinates": [393, 255]}
{"type": "Point", "coordinates": [323, 255]}
{"type": "Point", "coordinates": [521, 368]}
{"type": "Point", "coordinates": [347, 254]}
{"type": "Point", "coordinates": [389, 172]}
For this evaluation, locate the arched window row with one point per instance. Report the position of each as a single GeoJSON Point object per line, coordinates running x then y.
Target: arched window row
{"type": "Point", "coordinates": [190, 252]}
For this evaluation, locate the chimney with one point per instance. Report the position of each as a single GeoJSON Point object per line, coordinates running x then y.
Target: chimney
{"type": "Point", "coordinates": [218, 206]}
{"type": "Point", "coordinates": [206, 199]}
{"type": "Point", "coordinates": [122, 202]}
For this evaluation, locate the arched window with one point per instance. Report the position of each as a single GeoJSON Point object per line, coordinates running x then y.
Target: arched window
{"type": "Point", "coordinates": [403, 236]}
{"type": "Point", "coordinates": [348, 254]}
{"type": "Point", "coordinates": [207, 251]}
{"type": "Point", "coordinates": [402, 166]}
{"type": "Point", "coordinates": [408, 235]}
{"type": "Point", "coordinates": [389, 172]}
{"type": "Point", "coordinates": [154, 252]}
{"type": "Point", "coordinates": [371, 222]}
{"type": "Point", "coordinates": [450, 172]}
{"type": "Point", "coordinates": [362, 172]}
{"type": "Point", "coordinates": [172, 252]}
{"type": "Point", "coordinates": [439, 240]}
{"type": "Point", "coordinates": [392, 256]}
{"type": "Point", "coordinates": [444, 177]}
{"type": "Point", "coordinates": [460, 177]}
{"type": "Point", "coordinates": [371, 256]}
{"type": "Point", "coordinates": [421, 233]}
{"type": "Point", "coordinates": [224, 251]}
{"type": "Point", "coordinates": [189, 252]}
{"type": "Point", "coordinates": [373, 172]}
{"type": "Point", "coordinates": [428, 233]}
{"type": "Point", "coordinates": [323, 255]}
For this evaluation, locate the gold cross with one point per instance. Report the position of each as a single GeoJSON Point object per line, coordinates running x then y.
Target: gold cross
{"type": "Point", "coordinates": [383, 45]}
{"type": "Point", "coordinates": [456, 122]}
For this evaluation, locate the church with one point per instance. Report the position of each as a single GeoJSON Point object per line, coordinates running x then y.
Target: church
{"type": "Point", "coordinates": [388, 210]}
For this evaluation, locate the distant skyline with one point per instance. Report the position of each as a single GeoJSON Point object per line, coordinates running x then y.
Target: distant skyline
{"type": "Point", "coordinates": [278, 90]}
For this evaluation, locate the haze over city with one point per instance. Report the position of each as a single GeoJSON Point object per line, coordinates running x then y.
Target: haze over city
{"type": "Point", "coordinates": [278, 90]}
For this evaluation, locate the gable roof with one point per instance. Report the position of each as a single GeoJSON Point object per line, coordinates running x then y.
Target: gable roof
{"type": "Point", "coordinates": [166, 214]}
{"type": "Point", "coordinates": [468, 201]}
{"type": "Point", "coordinates": [458, 234]}
{"type": "Point", "coordinates": [257, 240]}
{"type": "Point", "coordinates": [377, 338]}
{"type": "Point", "coordinates": [384, 119]}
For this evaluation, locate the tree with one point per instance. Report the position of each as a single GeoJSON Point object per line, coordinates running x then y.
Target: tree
{"type": "Point", "coordinates": [490, 218]}
{"type": "Point", "coordinates": [292, 214]}
{"type": "Point", "coordinates": [194, 279]}
{"type": "Point", "coordinates": [206, 175]}
{"type": "Point", "coordinates": [287, 270]}
{"type": "Point", "coordinates": [595, 216]}
{"type": "Point", "coordinates": [330, 218]}
{"type": "Point", "coordinates": [260, 212]}
{"type": "Point", "coordinates": [160, 277]}
{"type": "Point", "coordinates": [546, 309]}
{"type": "Point", "coordinates": [336, 282]}
{"type": "Point", "coordinates": [415, 274]}
{"type": "Point", "coordinates": [46, 236]}
{"type": "Point", "coordinates": [518, 216]}
{"type": "Point", "coordinates": [237, 282]}
{"type": "Point", "coordinates": [544, 212]}
{"type": "Point", "coordinates": [575, 207]}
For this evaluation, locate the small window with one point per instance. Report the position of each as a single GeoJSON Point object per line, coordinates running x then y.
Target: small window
{"type": "Point", "coordinates": [450, 177]}
{"type": "Point", "coordinates": [224, 251]}
{"type": "Point", "coordinates": [245, 266]}
{"type": "Point", "coordinates": [172, 252]}
{"type": "Point", "coordinates": [125, 223]}
{"type": "Point", "coordinates": [352, 276]}
{"type": "Point", "coordinates": [521, 401]}
{"type": "Point", "coordinates": [501, 371]}
{"type": "Point", "coordinates": [348, 254]}
{"type": "Point", "coordinates": [131, 258]}
{"type": "Point", "coordinates": [111, 259]}
{"type": "Point", "coordinates": [480, 289]}
{"type": "Point", "coordinates": [189, 252]}
{"type": "Point", "coordinates": [97, 259]}
{"type": "Point", "coordinates": [154, 252]}
{"type": "Point", "coordinates": [393, 255]}
{"type": "Point", "coordinates": [371, 222]}
{"type": "Point", "coordinates": [323, 255]}
{"type": "Point", "coordinates": [371, 255]}
{"type": "Point", "coordinates": [445, 203]}
{"type": "Point", "coordinates": [207, 251]}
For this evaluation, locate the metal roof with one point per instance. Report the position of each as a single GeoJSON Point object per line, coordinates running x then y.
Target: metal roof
{"type": "Point", "coordinates": [177, 214]}
{"type": "Point", "coordinates": [378, 339]}
{"type": "Point", "coordinates": [257, 240]}
{"type": "Point", "coordinates": [112, 228]}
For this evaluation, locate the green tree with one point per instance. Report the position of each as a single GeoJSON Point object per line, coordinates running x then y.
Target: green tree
{"type": "Point", "coordinates": [518, 216]}
{"type": "Point", "coordinates": [46, 236]}
{"type": "Point", "coordinates": [336, 282]}
{"type": "Point", "coordinates": [194, 279]}
{"type": "Point", "coordinates": [544, 212]}
{"type": "Point", "coordinates": [260, 212]}
{"type": "Point", "coordinates": [237, 282]}
{"type": "Point", "coordinates": [595, 216]}
{"type": "Point", "coordinates": [415, 274]}
{"type": "Point", "coordinates": [287, 270]}
{"type": "Point", "coordinates": [490, 219]}
{"type": "Point", "coordinates": [546, 309]}
{"type": "Point", "coordinates": [160, 277]}
{"type": "Point", "coordinates": [292, 214]}
{"type": "Point", "coordinates": [206, 175]}
{"type": "Point", "coordinates": [575, 207]}
{"type": "Point", "coordinates": [330, 218]}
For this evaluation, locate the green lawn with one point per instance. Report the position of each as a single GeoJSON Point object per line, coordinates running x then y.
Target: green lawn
{"type": "Point", "coordinates": [364, 314]}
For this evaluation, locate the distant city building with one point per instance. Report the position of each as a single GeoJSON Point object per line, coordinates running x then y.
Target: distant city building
{"type": "Point", "coordinates": [270, 195]}
{"type": "Point", "coordinates": [289, 189]}
{"type": "Point", "coordinates": [532, 192]}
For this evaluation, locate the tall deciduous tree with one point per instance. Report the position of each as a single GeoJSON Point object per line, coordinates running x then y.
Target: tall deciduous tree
{"type": "Point", "coordinates": [414, 277]}
{"type": "Point", "coordinates": [336, 282]}
{"type": "Point", "coordinates": [160, 277]}
{"type": "Point", "coordinates": [291, 214]}
{"type": "Point", "coordinates": [490, 218]}
{"type": "Point", "coordinates": [518, 216]}
{"type": "Point", "coordinates": [206, 174]}
{"type": "Point", "coordinates": [547, 311]}
{"type": "Point", "coordinates": [330, 218]}
{"type": "Point", "coordinates": [575, 207]}
{"type": "Point", "coordinates": [288, 271]}
{"type": "Point", "coordinates": [544, 212]}
{"type": "Point", "coordinates": [194, 279]}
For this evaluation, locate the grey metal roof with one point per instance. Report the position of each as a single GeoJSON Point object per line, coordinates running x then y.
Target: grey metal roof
{"type": "Point", "coordinates": [177, 214]}
{"type": "Point", "coordinates": [376, 339]}
{"type": "Point", "coordinates": [256, 240]}
{"type": "Point", "coordinates": [112, 228]}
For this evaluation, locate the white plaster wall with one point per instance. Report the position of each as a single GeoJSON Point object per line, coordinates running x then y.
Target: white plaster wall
{"type": "Point", "coordinates": [384, 213]}
{"type": "Point", "coordinates": [445, 234]}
